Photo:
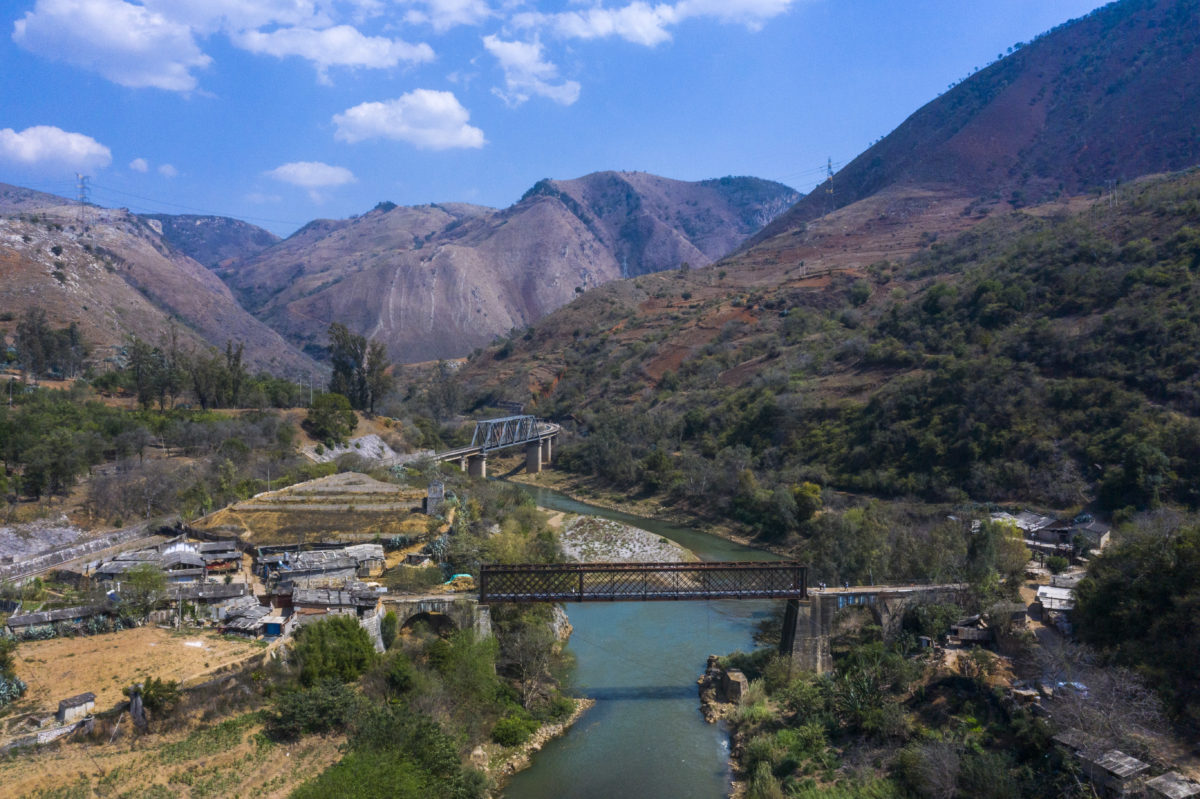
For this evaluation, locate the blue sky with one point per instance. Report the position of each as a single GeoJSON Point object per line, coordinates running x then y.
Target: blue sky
{"type": "Point", "coordinates": [282, 111]}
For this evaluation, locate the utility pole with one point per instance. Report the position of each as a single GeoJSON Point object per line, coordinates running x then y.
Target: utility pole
{"type": "Point", "coordinates": [82, 197]}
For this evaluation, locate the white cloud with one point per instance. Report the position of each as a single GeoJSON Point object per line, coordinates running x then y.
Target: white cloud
{"type": "Point", "coordinates": [637, 22]}
{"type": "Point", "coordinates": [526, 73]}
{"type": "Point", "coordinates": [48, 147]}
{"type": "Point", "coordinates": [139, 165]}
{"type": "Point", "coordinates": [642, 23]}
{"type": "Point", "coordinates": [443, 15]}
{"type": "Point", "coordinates": [168, 171]}
{"type": "Point", "coordinates": [312, 175]}
{"type": "Point", "coordinates": [427, 119]}
{"type": "Point", "coordinates": [261, 199]}
{"type": "Point", "coordinates": [751, 13]}
{"type": "Point", "coordinates": [210, 16]}
{"type": "Point", "coordinates": [127, 44]}
{"type": "Point", "coordinates": [338, 46]}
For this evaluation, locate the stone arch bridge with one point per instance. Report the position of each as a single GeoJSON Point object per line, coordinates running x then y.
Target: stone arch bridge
{"type": "Point", "coordinates": [465, 612]}
{"type": "Point", "coordinates": [807, 623]}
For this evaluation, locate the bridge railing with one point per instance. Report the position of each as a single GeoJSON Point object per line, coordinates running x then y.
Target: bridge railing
{"type": "Point", "coordinates": [609, 582]}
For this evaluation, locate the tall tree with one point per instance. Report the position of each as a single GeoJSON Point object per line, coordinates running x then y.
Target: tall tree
{"type": "Point", "coordinates": [360, 368]}
{"type": "Point", "coordinates": [378, 381]}
{"type": "Point", "coordinates": [33, 341]}
{"type": "Point", "coordinates": [235, 372]}
{"type": "Point", "coordinates": [348, 352]}
{"type": "Point", "coordinates": [208, 377]}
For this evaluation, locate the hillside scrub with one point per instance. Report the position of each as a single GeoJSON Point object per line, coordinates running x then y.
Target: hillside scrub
{"type": "Point", "coordinates": [886, 724]}
{"type": "Point", "coordinates": [1048, 358]}
{"type": "Point", "coordinates": [50, 439]}
{"type": "Point", "coordinates": [1140, 606]}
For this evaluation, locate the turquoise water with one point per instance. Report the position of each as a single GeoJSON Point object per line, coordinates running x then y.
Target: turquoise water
{"type": "Point", "coordinates": [645, 737]}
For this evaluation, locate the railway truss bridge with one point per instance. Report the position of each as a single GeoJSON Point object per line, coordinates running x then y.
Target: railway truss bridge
{"type": "Point", "coordinates": [491, 435]}
{"type": "Point", "coordinates": [808, 617]}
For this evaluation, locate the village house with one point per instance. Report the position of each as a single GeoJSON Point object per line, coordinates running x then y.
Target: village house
{"type": "Point", "coordinates": [21, 623]}
{"type": "Point", "coordinates": [182, 561]}
{"type": "Point", "coordinates": [244, 616]}
{"type": "Point", "coordinates": [324, 565]}
{"type": "Point", "coordinates": [1058, 599]}
{"type": "Point", "coordinates": [353, 599]}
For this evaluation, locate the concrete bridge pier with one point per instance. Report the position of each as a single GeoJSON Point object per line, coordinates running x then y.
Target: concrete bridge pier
{"type": "Point", "coordinates": [807, 623]}
{"type": "Point", "coordinates": [806, 634]}
{"type": "Point", "coordinates": [462, 463]}
{"type": "Point", "coordinates": [547, 449]}
{"type": "Point", "coordinates": [477, 465]}
{"type": "Point", "coordinates": [533, 457]}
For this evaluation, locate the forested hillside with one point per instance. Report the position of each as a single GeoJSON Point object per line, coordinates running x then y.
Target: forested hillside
{"type": "Point", "coordinates": [1049, 356]}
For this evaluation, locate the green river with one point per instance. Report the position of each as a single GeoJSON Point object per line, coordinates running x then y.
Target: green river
{"type": "Point", "coordinates": [645, 737]}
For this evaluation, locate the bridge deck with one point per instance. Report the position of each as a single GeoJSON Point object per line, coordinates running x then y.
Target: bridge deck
{"type": "Point", "coordinates": [609, 582]}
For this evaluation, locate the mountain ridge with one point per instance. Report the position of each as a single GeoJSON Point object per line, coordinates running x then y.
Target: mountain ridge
{"type": "Point", "coordinates": [438, 280]}
{"type": "Point", "coordinates": [1105, 98]}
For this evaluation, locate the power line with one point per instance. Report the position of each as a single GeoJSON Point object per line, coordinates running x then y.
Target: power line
{"type": "Point", "coordinates": [208, 211]}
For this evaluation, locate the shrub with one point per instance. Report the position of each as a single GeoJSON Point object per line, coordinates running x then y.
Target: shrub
{"type": "Point", "coordinates": [1057, 564]}
{"type": "Point", "coordinates": [334, 648]}
{"type": "Point", "coordinates": [330, 705]}
{"type": "Point", "coordinates": [388, 628]}
{"type": "Point", "coordinates": [513, 730]}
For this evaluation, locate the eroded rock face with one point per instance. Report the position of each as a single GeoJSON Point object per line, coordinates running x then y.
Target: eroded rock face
{"type": "Point", "coordinates": [437, 281]}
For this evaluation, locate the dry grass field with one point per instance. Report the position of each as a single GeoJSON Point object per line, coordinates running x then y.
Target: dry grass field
{"type": "Point", "coordinates": [104, 664]}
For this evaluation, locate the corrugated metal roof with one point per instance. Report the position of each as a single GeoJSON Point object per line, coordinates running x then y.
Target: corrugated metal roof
{"type": "Point", "coordinates": [1119, 764]}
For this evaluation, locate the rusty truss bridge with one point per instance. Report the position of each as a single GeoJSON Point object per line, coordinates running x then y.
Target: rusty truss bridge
{"type": "Point", "coordinates": [640, 582]}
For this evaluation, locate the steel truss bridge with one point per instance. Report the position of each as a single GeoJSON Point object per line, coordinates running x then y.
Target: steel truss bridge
{"type": "Point", "coordinates": [640, 582]}
{"type": "Point", "coordinates": [507, 431]}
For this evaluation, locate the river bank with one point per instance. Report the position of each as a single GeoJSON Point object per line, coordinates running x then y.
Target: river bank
{"type": "Point", "coordinates": [505, 765]}
{"type": "Point", "coordinates": [586, 489]}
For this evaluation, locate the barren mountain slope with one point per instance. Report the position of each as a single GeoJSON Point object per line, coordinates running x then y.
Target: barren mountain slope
{"type": "Point", "coordinates": [1108, 97]}
{"type": "Point", "coordinates": [117, 278]}
{"type": "Point", "coordinates": [675, 316]}
{"type": "Point", "coordinates": [437, 281]}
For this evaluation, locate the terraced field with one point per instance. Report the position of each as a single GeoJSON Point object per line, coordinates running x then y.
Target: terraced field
{"type": "Point", "coordinates": [341, 507]}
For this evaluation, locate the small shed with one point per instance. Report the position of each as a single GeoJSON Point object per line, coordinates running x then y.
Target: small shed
{"type": "Point", "coordinates": [76, 707]}
{"type": "Point", "coordinates": [1052, 598]}
{"type": "Point", "coordinates": [370, 558]}
{"type": "Point", "coordinates": [1172, 785]}
{"type": "Point", "coordinates": [972, 630]}
{"type": "Point", "coordinates": [1116, 774]}
{"type": "Point", "coordinates": [1092, 535]}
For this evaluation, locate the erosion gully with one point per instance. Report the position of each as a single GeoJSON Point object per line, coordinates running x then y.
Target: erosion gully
{"type": "Point", "coordinates": [645, 736]}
